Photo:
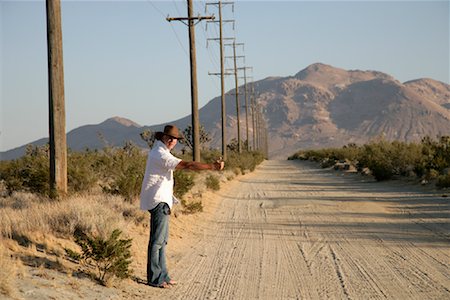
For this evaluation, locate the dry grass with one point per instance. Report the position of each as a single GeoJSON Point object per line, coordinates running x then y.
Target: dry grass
{"type": "Point", "coordinates": [8, 271]}
{"type": "Point", "coordinates": [26, 217]}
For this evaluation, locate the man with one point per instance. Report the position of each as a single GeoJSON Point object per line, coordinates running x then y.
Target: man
{"type": "Point", "coordinates": [157, 197]}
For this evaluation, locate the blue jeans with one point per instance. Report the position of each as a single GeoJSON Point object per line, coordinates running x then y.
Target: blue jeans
{"type": "Point", "coordinates": [159, 234]}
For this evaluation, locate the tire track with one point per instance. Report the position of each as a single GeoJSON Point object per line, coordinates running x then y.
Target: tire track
{"type": "Point", "coordinates": [291, 231]}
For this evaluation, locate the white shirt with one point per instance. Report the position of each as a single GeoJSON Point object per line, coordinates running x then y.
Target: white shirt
{"type": "Point", "coordinates": [157, 185]}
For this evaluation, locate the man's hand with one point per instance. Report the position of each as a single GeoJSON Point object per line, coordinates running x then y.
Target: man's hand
{"type": "Point", "coordinates": [219, 165]}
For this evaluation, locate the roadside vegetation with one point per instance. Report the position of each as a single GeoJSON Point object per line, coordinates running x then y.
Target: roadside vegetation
{"type": "Point", "coordinates": [82, 229]}
{"type": "Point", "coordinates": [427, 161]}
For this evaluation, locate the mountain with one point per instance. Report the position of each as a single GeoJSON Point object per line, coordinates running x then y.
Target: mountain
{"type": "Point", "coordinates": [114, 131]}
{"type": "Point", "coordinates": [320, 106]}
{"type": "Point", "coordinates": [324, 106]}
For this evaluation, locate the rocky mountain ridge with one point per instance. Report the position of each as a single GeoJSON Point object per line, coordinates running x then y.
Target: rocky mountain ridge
{"type": "Point", "coordinates": [320, 106]}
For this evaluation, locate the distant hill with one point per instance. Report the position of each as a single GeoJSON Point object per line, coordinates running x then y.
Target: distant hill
{"type": "Point", "coordinates": [324, 106]}
{"type": "Point", "coordinates": [320, 106]}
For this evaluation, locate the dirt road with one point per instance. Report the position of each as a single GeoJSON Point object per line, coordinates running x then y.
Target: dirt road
{"type": "Point", "coordinates": [292, 231]}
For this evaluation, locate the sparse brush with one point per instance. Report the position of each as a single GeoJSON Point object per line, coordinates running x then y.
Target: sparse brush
{"type": "Point", "coordinates": [119, 170]}
{"type": "Point", "coordinates": [386, 159]}
{"type": "Point", "coordinates": [184, 181]}
{"type": "Point", "coordinates": [111, 256]}
{"type": "Point", "coordinates": [81, 175]}
{"type": "Point", "coordinates": [123, 171]}
{"type": "Point", "coordinates": [443, 181]}
{"type": "Point", "coordinates": [192, 207]}
{"type": "Point", "coordinates": [243, 161]}
{"type": "Point", "coordinates": [212, 182]}
{"type": "Point", "coordinates": [28, 173]}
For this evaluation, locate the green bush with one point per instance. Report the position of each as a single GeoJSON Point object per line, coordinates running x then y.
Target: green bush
{"type": "Point", "coordinates": [436, 154]}
{"type": "Point", "coordinates": [81, 175]}
{"type": "Point", "coordinates": [212, 182]}
{"type": "Point", "coordinates": [183, 182]}
{"type": "Point", "coordinates": [28, 173]}
{"type": "Point", "coordinates": [116, 170]}
{"type": "Point", "coordinates": [327, 163]}
{"type": "Point", "coordinates": [244, 160]}
{"type": "Point", "coordinates": [110, 257]}
{"type": "Point", "coordinates": [123, 171]}
{"type": "Point", "coordinates": [443, 181]}
{"type": "Point", "coordinates": [386, 159]}
{"type": "Point", "coordinates": [210, 156]}
{"type": "Point", "coordinates": [378, 158]}
{"type": "Point", "coordinates": [192, 207]}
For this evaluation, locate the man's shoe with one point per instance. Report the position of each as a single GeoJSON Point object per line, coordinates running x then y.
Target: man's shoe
{"type": "Point", "coordinates": [163, 285]}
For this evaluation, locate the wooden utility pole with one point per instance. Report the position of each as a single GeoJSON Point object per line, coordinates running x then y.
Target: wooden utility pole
{"type": "Point", "coordinates": [57, 116]}
{"type": "Point", "coordinates": [246, 107]}
{"type": "Point", "coordinates": [222, 78]}
{"type": "Point", "coordinates": [265, 141]}
{"type": "Point", "coordinates": [193, 63]}
{"type": "Point", "coordinates": [252, 101]}
{"type": "Point", "coordinates": [237, 100]}
{"type": "Point", "coordinates": [246, 104]}
{"type": "Point", "coordinates": [234, 44]}
{"type": "Point", "coordinates": [258, 126]}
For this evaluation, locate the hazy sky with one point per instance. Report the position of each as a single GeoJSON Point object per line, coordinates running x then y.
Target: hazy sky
{"type": "Point", "coordinates": [122, 58]}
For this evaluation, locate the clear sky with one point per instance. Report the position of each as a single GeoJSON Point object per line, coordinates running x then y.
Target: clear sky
{"type": "Point", "coordinates": [122, 58]}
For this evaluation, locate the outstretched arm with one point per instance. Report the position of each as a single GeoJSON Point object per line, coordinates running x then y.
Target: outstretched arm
{"type": "Point", "coordinates": [198, 166]}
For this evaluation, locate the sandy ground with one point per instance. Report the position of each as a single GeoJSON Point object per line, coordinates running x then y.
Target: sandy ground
{"type": "Point", "coordinates": [291, 230]}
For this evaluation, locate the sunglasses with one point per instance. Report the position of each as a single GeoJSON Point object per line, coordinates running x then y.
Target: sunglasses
{"type": "Point", "coordinates": [171, 138]}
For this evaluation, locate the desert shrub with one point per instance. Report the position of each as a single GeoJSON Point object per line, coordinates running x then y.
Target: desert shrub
{"type": "Point", "coordinates": [314, 155]}
{"type": "Point", "coordinates": [244, 160]}
{"type": "Point", "coordinates": [28, 173]}
{"type": "Point", "coordinates": [327, 162]}
{"type": "Point", "coordinates": [377, 156]}
{"type": "Point", "coordinates": [183, 182]}
{"type": "Point", "coordinates": [443, 181]}
{"type": "Point", "coordinates": [73, 255]}
{"type": "Point", "coordinates": [123, 171]}
{"type": "Point", "coordinates": [436, 154]}
{"type": "Point", "coordinates": [212, 182]}
{"type": "Point", "coordinates": [149, 137]}
{"type": "Point", "coordinates": [10, 176]}
{"type": "Point", "coordinates": [385, 159]}
{"type": "Point", "coordinates": [192, 207]}
{"type": "Point", "coordinates": [81, 175]}
{"type": "Point", "coordinates": [188, 141]}
{"type": "Point", "coordinates": [405, 156]}
{"type": "Point", "coordinates": [233, 145]}
{"type": "Point", "coordinates": [327, 157]}
{"type": "Point", "coordinates": [210, 156]}
{"type": "Point", "coordinates": [110, 257]}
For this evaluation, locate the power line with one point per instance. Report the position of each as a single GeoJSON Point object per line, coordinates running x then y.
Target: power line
{"type": "Point", "coordinates": [171, 26]}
